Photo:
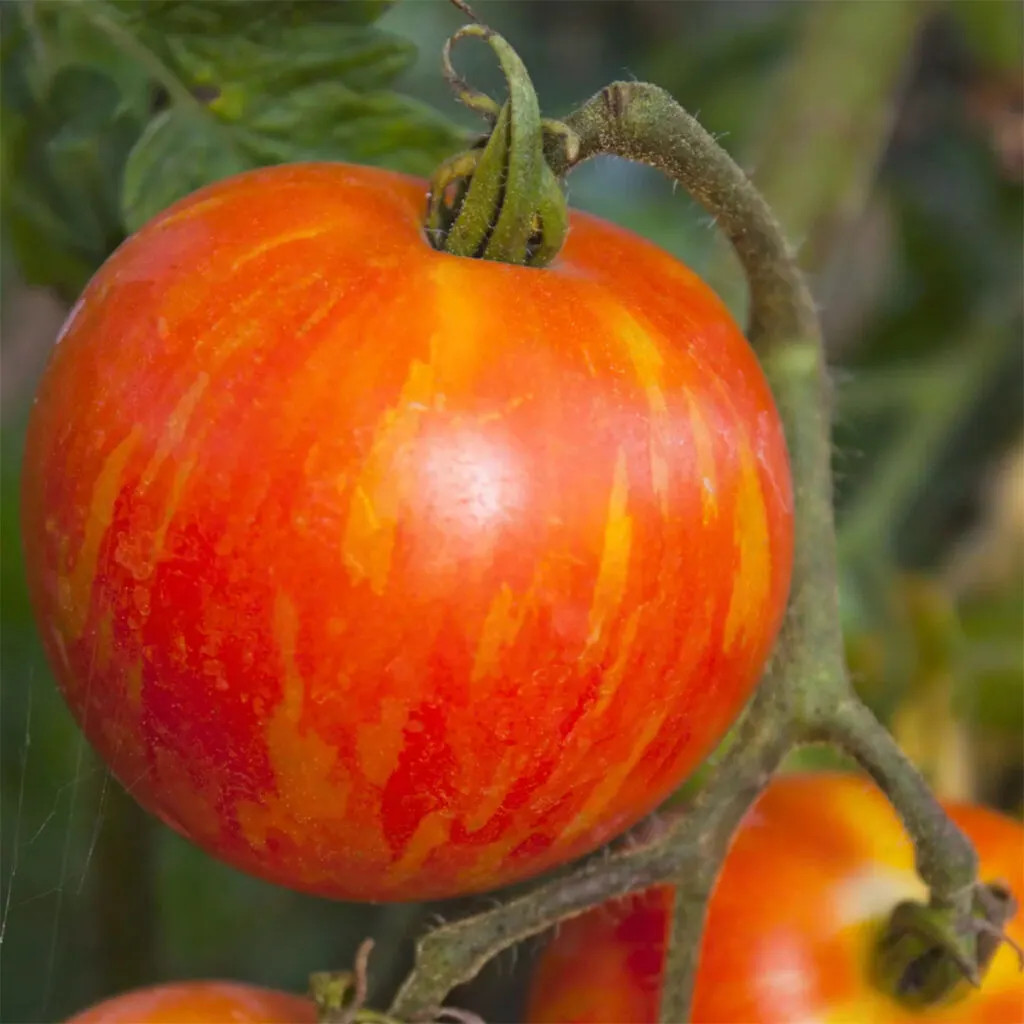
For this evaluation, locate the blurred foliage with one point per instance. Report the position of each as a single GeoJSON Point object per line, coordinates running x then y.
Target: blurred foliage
{"type": "Point", "coordinates": [112, 109]}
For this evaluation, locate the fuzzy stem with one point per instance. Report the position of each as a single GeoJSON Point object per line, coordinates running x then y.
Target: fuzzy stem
{"type": "Point", "coordinates": [945, 860]}
{"type": "Point", "coordinates": [806, 694]}
{"type": "Point", "coordinates": [944, 857]}
{"type": "Point", "coordinates": [642, 122]}
{"type": "Point", "coordinates": [761, 744]}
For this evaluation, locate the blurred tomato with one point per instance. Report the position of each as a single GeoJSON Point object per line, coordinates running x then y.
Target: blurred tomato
{"type": "Point", "coordinates": [812, 875]}
{"type": "Point", "coordinates": [201, 1002]}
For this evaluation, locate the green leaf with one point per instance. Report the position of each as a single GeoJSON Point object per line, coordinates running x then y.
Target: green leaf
{"type": "Point", "coordinates": [70, 115]}
{"type": "Point", "coordinates": [62, 176]}
{"type": "Point", "coordinates": [361, 59]}
{"type": "Point", "coordinates": [113, 109]}
{"type": "Point", "coordinates": [326, 122]}
{"type": "Point", "coordinates": [276, 83]}
{"type": "Point", "coordinates": [180, 151]}
{"type": "Point", "coordinates": [254, 18]}
{"type": "Point", "coordinates": [41, 39]}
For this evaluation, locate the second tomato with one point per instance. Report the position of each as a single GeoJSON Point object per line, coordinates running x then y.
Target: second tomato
{"type": "Point", "coordinates": [813, 874]}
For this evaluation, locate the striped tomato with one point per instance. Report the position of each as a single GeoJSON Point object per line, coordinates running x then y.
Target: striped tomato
{"type": "Point", "coordinates": [387, 574]}
{"type": "Point", "coordinates": [201, 1002]}
{"type": "Point", "coordinates": [814, 872]}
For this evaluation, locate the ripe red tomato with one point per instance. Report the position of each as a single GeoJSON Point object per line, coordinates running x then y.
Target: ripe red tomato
{"type": "Point", "coordinates": [201, 1002]}
{"type": "Point", "coordinates": [386, 574]}
{"type": "Point", "coordinates": [815, 869]}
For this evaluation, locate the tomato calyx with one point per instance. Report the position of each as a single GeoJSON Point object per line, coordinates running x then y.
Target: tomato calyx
{"type": "Point", "coordinates": [340, 997]}
{"type": "Point", "coordinates": [925, 956]}
{"type": "Point", "coordinates": [500, 200]}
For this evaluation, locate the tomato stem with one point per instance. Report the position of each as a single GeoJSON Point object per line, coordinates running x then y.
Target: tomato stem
{"type": "Point", "coordinates": [946, 861]}
{"type": "Point", "coordinates": [806, 695]}
{"type": "Point", "coordinates": [500, 200]}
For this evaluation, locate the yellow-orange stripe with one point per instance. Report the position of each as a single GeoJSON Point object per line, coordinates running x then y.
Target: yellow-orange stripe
{"type": "Point", "coordinates": [648, 364]}
{"type": "Point", "coordinates": [615, 554]}
{"type": "Point", "coordinates": [75, 588]}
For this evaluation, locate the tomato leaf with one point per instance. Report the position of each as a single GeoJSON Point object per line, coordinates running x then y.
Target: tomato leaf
{"type": "Point", "coordinates": [274, 83]}
{"type": "Point", "coordinates": [359, 59]}
{"type": "Point", "coordinates": [253, 17]}
{"type": "Point", "coordinates": [113, 110]}
{"type": "Point", "coordinates": [179, 151]}
{"type": "Point", "coordinates": [328, 122]}
{"type": "Point", "coordinates": [67, 127]}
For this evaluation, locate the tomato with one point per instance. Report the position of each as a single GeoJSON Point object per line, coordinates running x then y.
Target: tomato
{"type": "Point", "coordinates": [386, 574]}
{"type": "Point", "coordinates": [813, 873]}
{"type": "Point", "coordinates": [201, 1002]}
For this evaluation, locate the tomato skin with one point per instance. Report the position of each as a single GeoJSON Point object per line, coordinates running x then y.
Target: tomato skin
{"type": "Point", "coordinates": [389, 575]}
{"type": "Point", "coordinates": [201, 1002]}
{"type": "Point", "coordinates": [813, 871]}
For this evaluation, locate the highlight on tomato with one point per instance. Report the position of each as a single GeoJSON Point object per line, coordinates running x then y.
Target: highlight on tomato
{"type": "Point", "coordinates": [386, 574]}
{"type": "Point", "coordinates": [815, 870]}
{"type": "Point", "coordinates": [201, 1002]}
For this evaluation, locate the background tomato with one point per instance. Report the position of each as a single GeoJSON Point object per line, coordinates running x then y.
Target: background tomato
{"type": "Point", "coordinates": [386, 574]}
{"type": "Point", "coordinates": [201, 1002]}
{"type": "Point", "coordinates": [814, 870]}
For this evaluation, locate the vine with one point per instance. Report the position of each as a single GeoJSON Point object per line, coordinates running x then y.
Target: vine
{"type": "Point", "coordinates": [806, 696]}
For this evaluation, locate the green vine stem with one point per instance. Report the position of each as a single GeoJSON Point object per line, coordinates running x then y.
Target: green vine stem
{"type": "Point", "coordinates": [942, 855]}
{"type": "Point", "coordinates": [642, 122]}
{"type": "Point", "coordinates": [806, 696]}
